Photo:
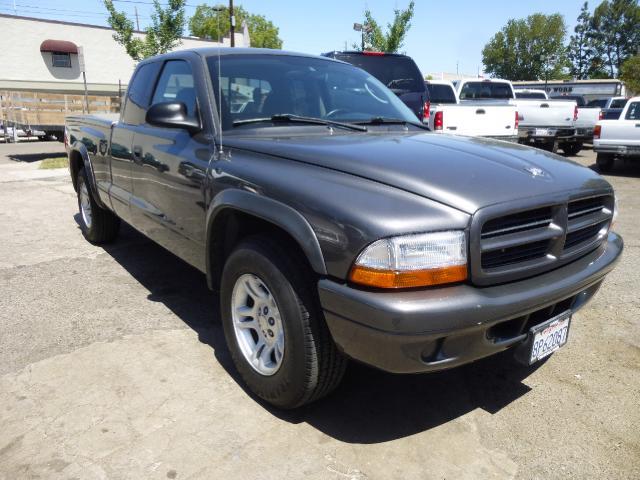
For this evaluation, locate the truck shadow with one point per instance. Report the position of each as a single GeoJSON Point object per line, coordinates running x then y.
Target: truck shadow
{"type": "Point", "coordinates": [34, 157]}
{"type": "Point", "coordinates": [621, 168]}
{"type": "Point", "coordinates": [370, 406]}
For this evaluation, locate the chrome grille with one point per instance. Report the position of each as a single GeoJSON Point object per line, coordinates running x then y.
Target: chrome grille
{"type": "Point", "coordinates": [512, 244]}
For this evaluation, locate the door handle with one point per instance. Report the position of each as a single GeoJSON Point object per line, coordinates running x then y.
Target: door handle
{"type": "Point", "coordinates": [137, 154]}
{"type": "Point", "coordinates": [480, 111]}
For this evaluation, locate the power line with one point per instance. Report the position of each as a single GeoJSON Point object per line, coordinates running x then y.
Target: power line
{"type": "Point", "coordinates": [52, 11]}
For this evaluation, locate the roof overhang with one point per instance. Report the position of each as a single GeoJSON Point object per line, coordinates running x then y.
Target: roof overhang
{"type": "Point", "coordinates": [58, 46]}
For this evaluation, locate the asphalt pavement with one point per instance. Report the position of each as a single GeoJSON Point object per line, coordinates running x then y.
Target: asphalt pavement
{"type": "Point", "coordinates": [113, 365]}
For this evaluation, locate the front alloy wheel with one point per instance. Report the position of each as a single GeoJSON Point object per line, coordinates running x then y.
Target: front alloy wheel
{"type": "Point", "coordinates": [273, 323]}
{"type": "Point", "coordinates": [257, 324]}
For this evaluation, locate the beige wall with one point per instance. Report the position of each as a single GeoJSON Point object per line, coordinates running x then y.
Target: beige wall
{"type": "Point", "coordinates": [106, 61]}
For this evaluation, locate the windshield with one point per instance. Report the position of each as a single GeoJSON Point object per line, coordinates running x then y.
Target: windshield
{"type": "Point", "coordinates": [532, 95]}
{"type": "Point", "coordinates": [400, 74]}
{"type": "Point", "coordinates": [261, 86]}
{"type": "Point", "coordinates": [485, 90]}
{"type": "Point", "coordinates": [441, 93]}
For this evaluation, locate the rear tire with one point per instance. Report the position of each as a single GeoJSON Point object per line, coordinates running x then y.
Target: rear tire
{"type": "Point", "coordinates": [97, 224]}
{"type": "Point", "coordinates": [604, 162]}
{"type": "Point", "coordinates": [571, 149]}
{"type": "Point", "coordinates": [308, 365]}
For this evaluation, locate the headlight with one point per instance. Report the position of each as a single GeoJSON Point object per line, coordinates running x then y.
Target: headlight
{"type": "Point", "coordinates": [614, 218]}
{"type": "Point", "coordinates": [413, 261]}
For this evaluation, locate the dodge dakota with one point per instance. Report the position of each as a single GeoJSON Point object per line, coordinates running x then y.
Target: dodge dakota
{"type": "Point", "coordinates": [332, 225]}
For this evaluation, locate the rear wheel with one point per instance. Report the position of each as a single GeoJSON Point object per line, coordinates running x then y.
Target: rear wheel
{"type": "Point", "coordinates": [97, 224]}
{"type": "Point", "coordinates": [604, 161]}
{"type": "Point", "coordinates": [571, 149]}
{"type": "Point", "coordinates": [274, 327]}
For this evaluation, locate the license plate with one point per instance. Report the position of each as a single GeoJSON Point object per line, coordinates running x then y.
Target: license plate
{"type": "Point", "coordinates": [549, 336]}
{"type": "Point", "coordinates": [542, 132]}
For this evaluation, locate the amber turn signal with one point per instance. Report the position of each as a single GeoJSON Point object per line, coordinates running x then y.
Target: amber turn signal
{"type": "Point", "coordinates": [372, 277]}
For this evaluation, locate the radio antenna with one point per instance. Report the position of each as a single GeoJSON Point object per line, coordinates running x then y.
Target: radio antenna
{"type": "Point", "coordinates": [221, 150]}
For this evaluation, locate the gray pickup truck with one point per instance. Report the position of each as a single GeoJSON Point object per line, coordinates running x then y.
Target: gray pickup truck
{"type": "Point", "coordinates": [333, 226]}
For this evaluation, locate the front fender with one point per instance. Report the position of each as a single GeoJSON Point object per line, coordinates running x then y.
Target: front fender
{"type": "Point", "coordinates": [272, 211]}
{"type": "Point", "coordinates": [80, 149]}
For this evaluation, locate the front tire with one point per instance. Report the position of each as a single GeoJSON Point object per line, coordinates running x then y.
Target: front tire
{"type": "Point", "coordinates": [274, 327]}
{"type": "Point", "coordinates": [604, 162]}
{"type": "Point", "coordinates": [97, 224]}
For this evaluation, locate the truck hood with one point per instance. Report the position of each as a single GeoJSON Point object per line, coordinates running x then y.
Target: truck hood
{"type": "Point", "coordinates": [463, 172]}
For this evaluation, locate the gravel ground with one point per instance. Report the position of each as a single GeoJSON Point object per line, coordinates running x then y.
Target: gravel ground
{"type": "Point", "coordinates": [112, 365]}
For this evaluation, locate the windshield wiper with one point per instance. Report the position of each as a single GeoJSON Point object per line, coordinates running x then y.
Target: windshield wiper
{"type": "Point", "coordinates": [288, 117]}
{"type": "Point", "coordinates": [392, 121]}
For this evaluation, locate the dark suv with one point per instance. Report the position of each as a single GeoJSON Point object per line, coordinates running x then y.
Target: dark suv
{"type": "Point", "coordinates": [398, 72]}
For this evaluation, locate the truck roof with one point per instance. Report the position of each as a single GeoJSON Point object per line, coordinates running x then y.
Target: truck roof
{"type": "Point", "coordinates": [224, 51]}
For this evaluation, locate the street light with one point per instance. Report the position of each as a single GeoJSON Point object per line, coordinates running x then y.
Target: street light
{"type": "Point", "coordinates": [363, 28]}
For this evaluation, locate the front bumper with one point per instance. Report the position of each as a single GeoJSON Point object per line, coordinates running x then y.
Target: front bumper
{"type": "Point", "coordinates": [439, 328]}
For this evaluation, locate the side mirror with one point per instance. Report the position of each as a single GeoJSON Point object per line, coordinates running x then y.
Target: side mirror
{"type": "Point", "coordinates": [172, 115]}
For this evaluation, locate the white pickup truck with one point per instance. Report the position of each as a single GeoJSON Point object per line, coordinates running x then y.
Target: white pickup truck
{"type": "Point", "coordinates": [547, 124]}
{"type": "Point", "coordinates": [447, 115]}
{"type": "Point", "coordinates": [588, 116]}
{"type": "Point", "coordinates": [618, 138]}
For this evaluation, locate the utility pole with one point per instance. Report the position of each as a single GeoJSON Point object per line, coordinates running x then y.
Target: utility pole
{"type": "Point", "coordinates": [137, 21]}
{"type": "Point", "coordinates": [232, 20]}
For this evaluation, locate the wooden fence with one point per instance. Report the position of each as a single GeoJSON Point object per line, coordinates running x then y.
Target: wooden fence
{"type": "Point", "coordinates": [36, 109]}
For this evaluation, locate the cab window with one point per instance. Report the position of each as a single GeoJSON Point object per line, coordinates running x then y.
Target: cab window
{"type": "Point", "coordinates": [176, 85]}
{"type": "Point", "coordinates": [139, 93]}
{"type": "Point", "coordinates": [633, 112]}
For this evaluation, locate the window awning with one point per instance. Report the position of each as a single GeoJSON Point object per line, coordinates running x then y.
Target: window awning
{"type": "Point", "coordinates": [61, 46]}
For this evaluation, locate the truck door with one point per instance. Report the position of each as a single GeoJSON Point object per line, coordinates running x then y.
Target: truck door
{"type": "Point", "coordinates": [135, 106]}
{"type": "Point", "coordinates": [170, 167]}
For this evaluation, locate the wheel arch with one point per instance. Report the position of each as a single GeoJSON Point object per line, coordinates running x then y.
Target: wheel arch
{"type": "Point", "coordinates": [79, 158]}
{"type": "Point", "coordinates": [234, 214]}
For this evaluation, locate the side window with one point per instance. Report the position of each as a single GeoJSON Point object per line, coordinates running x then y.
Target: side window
{"type": "Point", "coordinates": [633, 112]}
{"type": "Point", "coordinates": [176, 85]}
{"type": "Point", "coordinates": [139, 94]}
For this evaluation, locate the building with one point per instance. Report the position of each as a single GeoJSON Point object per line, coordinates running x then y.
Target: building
{"type": "Point", "coordinates": [590, 89]}
{"type": "Point", "coordinates": [44, 56]}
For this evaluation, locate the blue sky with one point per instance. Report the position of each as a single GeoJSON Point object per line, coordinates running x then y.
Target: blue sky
{"type": "Point", "coordinates": [443, 34]}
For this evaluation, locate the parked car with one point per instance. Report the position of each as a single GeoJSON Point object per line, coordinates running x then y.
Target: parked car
{"type": "Point", "coordinates": [611, 106]}
{"type": "Point", "coordinates": [334, 225]}
{"type": "Point", "coordinates": [499, 121]}
{"type": "Point", "coordinates": [618, 138]}
{"type": "Point", "coordinates": [542, 123]}
{"type": "Point", "coordinates": [399, 73]}
{"type": "Point", "coordinates": [587, 118]}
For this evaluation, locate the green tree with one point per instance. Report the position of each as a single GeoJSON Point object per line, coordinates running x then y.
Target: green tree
{"type": "Point", "coordinates": [580, 50]}
{"type": "Point", "coordinates": [391, 41]}
{"type": "Point", "coordinates": [528, 49]}
{"type": "Point", "coordinates": [630, 74]}
{"type": "Point", "coordinates": [615, 27]}
{"type": "Point", "coordinates": [163, 35]}
{"type": "Point", "coordinates": [214, 22]}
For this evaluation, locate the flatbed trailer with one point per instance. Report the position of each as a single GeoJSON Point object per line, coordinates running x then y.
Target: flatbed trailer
{"type": "Point", "coordinates": [43, 113]}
